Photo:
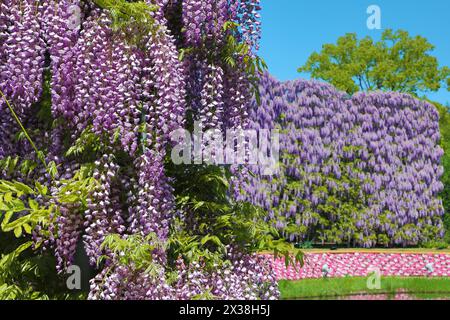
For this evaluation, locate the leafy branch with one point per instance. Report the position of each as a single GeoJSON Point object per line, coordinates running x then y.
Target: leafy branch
{"type": "Point", "coordinates": [212, 221]}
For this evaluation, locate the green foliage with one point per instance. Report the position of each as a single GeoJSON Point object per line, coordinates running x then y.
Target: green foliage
{"type": "Point", "coordinates": [136, 251]}
{"type": "Point", "coordinates": [305, 245]}
{"type": "Point", "coordinates": [128, 14]}
{"type": "Point", "coordinates": [28, 274]}
{"type": "Point", "coordinates": [398, 62]}
{"type": "Point", "coordinates": [39, 154]}
{"type": "Point", "coordinates": [25, 275]}
{"type": "Point", "coordinates": [16, 165]}
{"type": "Point", "coordinates": [21, 208]}
{"type": "Point", "coordinates": [212, 221]}
{"type": "Point", "coordinates": [7, 264]}
{"type": "Point", "coordinates": [19, 215]}
{"type": "Point", "coordinates": [87, 143]}
{"type": "Point", "coordinates": [131, 19]}
{"type": "Point", "coordinates": [436, 245]}
{"type": "Point", "coordinates": [340, 206]}
{"type": "Point", "coordinates": [77, 190]}
{"type": "Point", "coordinates": [90, 146]}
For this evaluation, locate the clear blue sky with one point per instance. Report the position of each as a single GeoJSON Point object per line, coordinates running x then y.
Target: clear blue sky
{"type": "Point", "coordinates": [293, 29]}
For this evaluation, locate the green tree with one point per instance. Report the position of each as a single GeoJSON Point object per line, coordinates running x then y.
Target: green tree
{"type": "Point", "coordinates": [398, 62]}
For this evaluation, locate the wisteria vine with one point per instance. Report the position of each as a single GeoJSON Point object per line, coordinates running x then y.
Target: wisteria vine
{"type": "Point", "coordinates": [362, 170]}
{"type": "Point", "coordinates": [113, 100]}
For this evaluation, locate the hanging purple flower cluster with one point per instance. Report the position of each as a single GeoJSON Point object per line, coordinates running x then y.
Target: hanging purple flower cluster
{"type": "Point", "coordinates": [123, 99]}
{"type": "Point", "coordinates": [219, 91]}
{"type": "Point", "coordinates": [244, 278]}
{"type": "Point", "coordinates": [104, 213]}
{"type": "Point", "coordinates": [247, 278]}
{"type": "Point", "coordinates": [21, 65]}
{"type": "Point", "coordinates": [362, 170]}
{"type": "Point", "coordinates": [123, 283]}
{"type": "Point", "coordinates": [153, 207]}
{"type": "Point", "coordinates": [204, 21]}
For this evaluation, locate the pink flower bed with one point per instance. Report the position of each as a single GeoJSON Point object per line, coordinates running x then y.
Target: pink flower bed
{"type": "Point", "coordinates": [362, 264]}
{"type": "Point", "coordinates": [383, 297]}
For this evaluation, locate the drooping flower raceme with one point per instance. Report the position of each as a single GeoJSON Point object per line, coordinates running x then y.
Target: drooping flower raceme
{"type": "Point", "coordinates": [21, 65]}
{"type": "Point", "coordinates": [111, 102]}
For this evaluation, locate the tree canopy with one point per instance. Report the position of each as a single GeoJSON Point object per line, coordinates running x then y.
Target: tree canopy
{"type": "Point", "coordinates": [398, 62]}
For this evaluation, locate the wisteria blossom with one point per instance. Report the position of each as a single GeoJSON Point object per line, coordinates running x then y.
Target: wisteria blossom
{"type": "Point", "coordinates": [362, 170]}
{"type": "Point", "coordinates": [127, 94]}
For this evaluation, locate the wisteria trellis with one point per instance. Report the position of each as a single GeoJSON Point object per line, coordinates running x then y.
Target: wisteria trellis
{"type": "Point", "coordinates": [362, 170]}
{"type": "Point", "coordinates": [136, 94]}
